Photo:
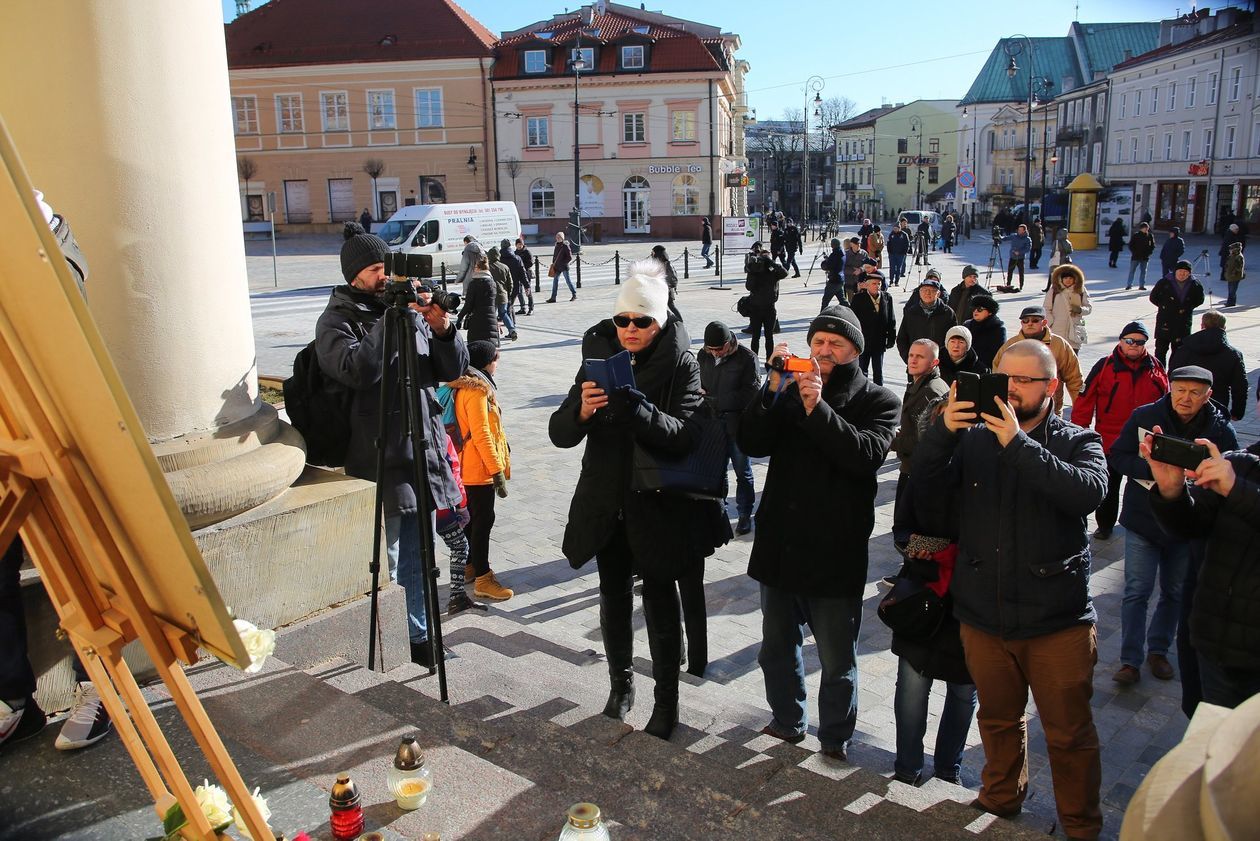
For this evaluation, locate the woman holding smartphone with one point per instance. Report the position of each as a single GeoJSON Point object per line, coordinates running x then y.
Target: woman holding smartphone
{"type": "Point", "coordinates": [661, 537]}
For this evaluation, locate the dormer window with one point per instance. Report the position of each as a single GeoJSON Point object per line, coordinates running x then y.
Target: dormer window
{"type": "Point", "coordinates": [632, 57]}
{"type": "Point", "coordinates": [587, 54]}
{"type": "Point", "coordinates": [535, 61]}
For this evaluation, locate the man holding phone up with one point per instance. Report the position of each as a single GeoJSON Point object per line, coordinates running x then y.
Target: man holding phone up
{"type": "Point", "coordinates": [1186, 412]}
{"type": "Point", "coordinates": [1221, 502]}
{"type": "Point", "coordinates": [1026, 481]}
{"type": "Point", "coordinates": [827, 431]}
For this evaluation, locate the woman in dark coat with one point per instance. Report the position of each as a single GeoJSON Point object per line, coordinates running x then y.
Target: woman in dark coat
{"type": "Point", "coordinates": [661, 537]}
{"type": "Point", "coordinates": [479, 311]}
{"type": "Point", "coordinates": [671, 279]}
{"type": "Point", "coordinates": [988, 333]}
{"type": "Point", "coordinates": [1115, 240]}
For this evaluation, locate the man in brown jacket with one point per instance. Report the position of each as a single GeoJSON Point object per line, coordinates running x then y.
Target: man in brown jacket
{"type": "Point", "coordinates": [1032, 325]}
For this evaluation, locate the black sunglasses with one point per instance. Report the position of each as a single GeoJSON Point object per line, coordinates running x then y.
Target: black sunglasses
{"type": "Point", "coordinates": [643, 322]}
{"type": "Point", "coordinates": [1138, 342]}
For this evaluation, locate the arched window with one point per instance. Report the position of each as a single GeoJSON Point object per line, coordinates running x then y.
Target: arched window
{"type": "Point", "coordinates": [686, 196]}
{"type": "Point", "coordinates": [542, 199]}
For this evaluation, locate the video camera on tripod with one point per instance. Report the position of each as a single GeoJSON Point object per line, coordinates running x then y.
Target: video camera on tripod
{"type": "Point", "coordinates": [400, 293]}
{"type": "Point", "coordinates": [998, 233]}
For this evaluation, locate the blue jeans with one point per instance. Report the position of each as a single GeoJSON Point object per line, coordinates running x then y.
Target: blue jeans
{"type": "Point", "coordinates": [897, 266]}
{"type": "Point", "coordinates": [505, 315]}
{"type": "Point", "coordinates": [835, 623]}
{"type": "Point", "coordinates": [745, 496]}
{"type": "Point", "coordinates": [402, 546]}
{"type": "Point", "coordinates": [1232, 298]}
{"type": "Point", "coordinates": [555, 283]}
{"type": "Point", "coordinates": [1225, 686]}
{"type": "Point", "coordinates": [704, 252]}
{"type": "Point", "coordinates": [910, 704]}
{"type": "Point", "coordinates": [1134, 265]}
{"type": "Point", "coordinates": [1142, 561]}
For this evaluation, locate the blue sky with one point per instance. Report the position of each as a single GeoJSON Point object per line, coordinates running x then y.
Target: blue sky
{"type": "Point", "coordinates": [912, 49]}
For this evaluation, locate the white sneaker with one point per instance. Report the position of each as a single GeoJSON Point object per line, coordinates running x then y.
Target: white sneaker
{"type": "Point", "coordinates": [87, 723]}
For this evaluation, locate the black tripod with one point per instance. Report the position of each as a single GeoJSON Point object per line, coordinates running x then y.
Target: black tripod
{"type": "Point", "coordinates": [995, 257]}
{"type": "Point", "coordinates": [400, 340]}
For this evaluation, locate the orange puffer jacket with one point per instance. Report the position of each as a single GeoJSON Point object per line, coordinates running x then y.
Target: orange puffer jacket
{"type": "Point", "coordinates": [477, 412]}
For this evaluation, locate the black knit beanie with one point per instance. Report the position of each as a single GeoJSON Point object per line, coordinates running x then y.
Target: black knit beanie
{"type": "Point", "coordinates": [360, 250]}
{"type": "Point", "coordinates": [839, 320]}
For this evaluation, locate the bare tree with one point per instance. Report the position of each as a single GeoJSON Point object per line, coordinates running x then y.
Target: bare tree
{"type": "Point", "coordinates": [513, 167]}
{"type": "Point", "coordinates": [246, 169]}
{"type": "Point", "coordinates": [834, 110]}
{"type": "Point", "coordinates": [375, 168]}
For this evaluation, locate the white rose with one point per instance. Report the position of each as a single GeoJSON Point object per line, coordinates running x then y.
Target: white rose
{"type": "Point", "coordinates": [261, 803]}
{"type": "Point", "coordinates": [215, 805]}
{"type": "Point", "coordinates": [260, 644]}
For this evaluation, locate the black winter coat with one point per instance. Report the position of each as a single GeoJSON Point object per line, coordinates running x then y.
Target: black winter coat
{"type": "Point", "coordinates": [898, 242]}
{"type": "Point", "coordinates": [822, 475]}
{"type": "Point", "coordinates": [879, 327]}
{"type": "Point", "coordinates": [1171, 253]}
{"type": "Point", "coordinates": [933, 514]}
{"type": "Point", "coordinates": [356, 364]}
{"type": "Point", "coordinates": [1224, 621]}
{"type": "Point", "coordinates": [833, 265]}
{"type": "Point", "coordinates": [1142, 245]}
{"type": "Point", "coordinates": [479, 314]}
{"type": "Point", "coordinates": [1175, 315]}
{"type": "Point", "coordinates": [960, 300]}
{"type": "Point", "coordinates": [921, 398]}
{"type": "Point", "coordinates": [917, 324]}
{"type": "Point", "coordinates": [1024, 560]}
{"type": "Point", "coordinates": [1115, 236]}
{"type": "Point", "coordinates": [731, 385]}
{"type": "Point", "coordinates": [970, 363]}
{"type": "Point", "coordinates": [1210, 423]}
{"type": "Point", "coordinates": [987, 337]}
{"type": "Point", "coordinates": [763, 279]}
{"type": "Point", "coordinates": [1210, 349]}
{"type": "Point", "coordinates": [669, 536]}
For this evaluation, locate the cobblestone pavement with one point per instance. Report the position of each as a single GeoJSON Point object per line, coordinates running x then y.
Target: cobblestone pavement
{"type": "Point", "coordinates": [1137, 724]}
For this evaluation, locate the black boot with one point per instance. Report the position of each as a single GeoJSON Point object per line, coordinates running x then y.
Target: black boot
{"type": "Point", "coordinates": [695, 620]}
{"type": "Point", "coordinates": [664, 628]}
{"type": "Point", "coordinates": [618, 634]}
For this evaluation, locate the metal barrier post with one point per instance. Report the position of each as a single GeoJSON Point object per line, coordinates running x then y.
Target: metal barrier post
{"type": "Point", "coordinates": [443, 274]}
{"type": "Point", "coordinates": [617, 268]}
{"type": "Point", "coordinates": [686, 264]}
{"type": "Point", "coordinates": [537, 278]}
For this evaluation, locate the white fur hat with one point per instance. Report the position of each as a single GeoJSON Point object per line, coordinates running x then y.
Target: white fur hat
{"type": "Point", "coordinates": [644, 291]}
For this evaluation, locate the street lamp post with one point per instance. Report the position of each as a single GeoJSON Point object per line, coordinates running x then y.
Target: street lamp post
{"type": "Point", "coordinates": [916, 127]}
{"type": "Point", "coordinates": [1045, 141]}
{"type": "Point", "coordinates": [975, 167]}
{"type": "Point", "coordinates": [1015, 48]}
{"type": "Point", "coordinates": [577, 64]}
{"type": "Point", "coordinates": [813, 85]}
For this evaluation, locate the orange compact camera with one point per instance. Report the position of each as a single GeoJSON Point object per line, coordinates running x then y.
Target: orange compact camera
{"type": "Point", "coordinates": [792, 364]}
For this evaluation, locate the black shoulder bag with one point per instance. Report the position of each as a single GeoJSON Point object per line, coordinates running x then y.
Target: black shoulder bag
{"type": "Point", "coordinates": [699, 474]}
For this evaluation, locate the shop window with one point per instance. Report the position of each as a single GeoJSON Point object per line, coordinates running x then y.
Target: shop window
{"type": "Point", "coordinates": [542, 199]}
{"type": "Point", "coordinates": [686, 196]}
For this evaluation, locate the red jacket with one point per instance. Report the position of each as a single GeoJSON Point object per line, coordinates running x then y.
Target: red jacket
{"type": "Point", "coordinates": [1113, 389]}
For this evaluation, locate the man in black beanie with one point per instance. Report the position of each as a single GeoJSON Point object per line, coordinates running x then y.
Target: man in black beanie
{"type": "Point", "coordinates": [729, 379]}
{"type": "Point", "coordinates": [827, 431]}
{"type": "Point", "coordinates": [348, 344]}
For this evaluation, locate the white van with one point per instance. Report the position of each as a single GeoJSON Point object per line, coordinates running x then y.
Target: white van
{"type": "Point", "coordinates": [441, 228]}
{"type": "Point", "coordinates": [914, 217]}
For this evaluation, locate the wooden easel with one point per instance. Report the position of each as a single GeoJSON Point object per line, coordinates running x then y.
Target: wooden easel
{"type": "Point", "coordinates": [80, 483]}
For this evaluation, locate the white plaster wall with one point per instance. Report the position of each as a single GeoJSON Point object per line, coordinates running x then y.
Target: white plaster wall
{"type": "Point", "coordinates": [120, 111]}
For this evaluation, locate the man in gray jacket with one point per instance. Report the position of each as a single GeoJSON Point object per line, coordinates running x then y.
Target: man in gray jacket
{"type": "Point", "coordinates": [1021, 246]}
{"type": "Point", "coordinates": [1026, 480]}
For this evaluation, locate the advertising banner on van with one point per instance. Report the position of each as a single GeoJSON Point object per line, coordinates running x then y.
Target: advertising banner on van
{"type": "Point", "coordinates": [482, 220]}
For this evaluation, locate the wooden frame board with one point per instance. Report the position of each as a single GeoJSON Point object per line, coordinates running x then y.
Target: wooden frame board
{"type": "Point", "coordinates": [81, 485]}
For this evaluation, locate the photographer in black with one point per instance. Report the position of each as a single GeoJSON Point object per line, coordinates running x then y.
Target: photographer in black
{"type": "Point", "coordinates": [349, 339]}
{"type": "Point", "coordinates": [762, 284]}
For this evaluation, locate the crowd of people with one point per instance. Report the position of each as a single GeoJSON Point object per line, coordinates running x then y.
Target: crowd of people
{"type": "Point", "coordinates": [991, 500]}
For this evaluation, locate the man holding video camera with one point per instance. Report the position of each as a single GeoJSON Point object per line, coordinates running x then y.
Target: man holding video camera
{"type": "Point", "coordinates": [349, 339]}
{"type": "Point", "coordinates": [1026, 480]}
{"type": "Point", "coordinates": [1186, 412]}
{"type": "Point", "coordinates": [827, 430]}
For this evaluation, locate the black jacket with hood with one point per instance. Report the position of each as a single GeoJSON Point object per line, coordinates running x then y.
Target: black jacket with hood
{"type": "Point", "coordinates": [1210, 349]}
{"type": "Point", "coordinates": [353, 358]}
{"type": "Point", "coordinates": [669, 535]}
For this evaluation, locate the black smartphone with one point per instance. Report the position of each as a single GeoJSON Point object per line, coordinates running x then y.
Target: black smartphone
{"type": "Point", "coordinates": [968, 387]}
{"type": "Point", "coordinates": [993, 385]}
{"type": "Point", "coordinates": [1178, 451]}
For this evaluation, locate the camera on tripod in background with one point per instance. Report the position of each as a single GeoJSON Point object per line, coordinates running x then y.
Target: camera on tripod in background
{"type": "Point", "coordinates": [404, 292]}
{"type": "Point", "coordinates": [998, 233]}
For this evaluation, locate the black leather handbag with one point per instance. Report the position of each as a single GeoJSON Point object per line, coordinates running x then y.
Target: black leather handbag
{"type": "Point", "coordinates": [698, 474]}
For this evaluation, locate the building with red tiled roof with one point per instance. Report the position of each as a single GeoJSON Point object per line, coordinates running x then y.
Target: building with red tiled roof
{"type": "Point", "coordinates": [659, 109]}
{"type": "Point", "coordinates": [325, 92]}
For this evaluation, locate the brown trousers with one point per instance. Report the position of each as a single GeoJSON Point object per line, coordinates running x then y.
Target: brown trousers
{"type": "Point", "coordinates": [1059, 669]}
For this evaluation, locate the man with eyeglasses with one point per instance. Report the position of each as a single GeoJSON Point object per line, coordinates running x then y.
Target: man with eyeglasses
{"type": "Point", "coordinates": [1026, 480]}
{"type": "Point", "coordinates": [1032, 325]}
{"type": "Point", "coordinates": [1116, 385]}
{"type": "Point", "coordinates": [1186, 412]}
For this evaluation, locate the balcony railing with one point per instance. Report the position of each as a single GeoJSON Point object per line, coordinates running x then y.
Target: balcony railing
{"type": "Point", "coordinates": [1070, 134]}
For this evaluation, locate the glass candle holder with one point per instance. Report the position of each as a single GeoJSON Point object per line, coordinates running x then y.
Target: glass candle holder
{"type": "Point", "coordinates": [409, 779]}
{"type": "Point", "coordinates": [347, 809]}
{"type": "Point", "coordinates": [584, 823]}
